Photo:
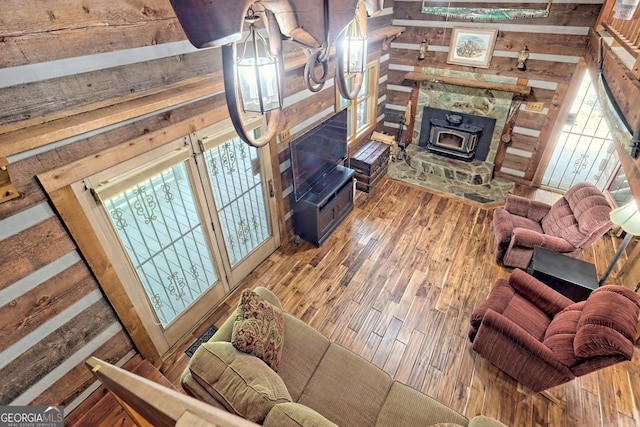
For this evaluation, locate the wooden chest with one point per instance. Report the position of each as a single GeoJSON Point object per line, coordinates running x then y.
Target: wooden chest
{"type": "Point", "coordinates": [370, 164]}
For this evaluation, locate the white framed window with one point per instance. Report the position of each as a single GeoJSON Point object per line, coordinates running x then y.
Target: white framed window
{"type": "Point", "coordinates": [361, 112]}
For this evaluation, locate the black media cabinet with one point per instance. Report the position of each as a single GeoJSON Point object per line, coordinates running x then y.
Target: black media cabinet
{"type": "Point", "coordinates": [320, 211]}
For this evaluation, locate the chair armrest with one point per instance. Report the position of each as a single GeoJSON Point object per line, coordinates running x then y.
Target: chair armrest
{"type": "Point", "coordinates": [501, 226]}
{"type": "Point", "coordinates": [516, 352]}
{"type": "Point", "coordinates": [539, 294]}
{"type": "Point", "coordinates": [515, 341]}
{"type": "Point", "coordinates": [522, 206]}
{"type": "Point", "coordinates": [528, 239]}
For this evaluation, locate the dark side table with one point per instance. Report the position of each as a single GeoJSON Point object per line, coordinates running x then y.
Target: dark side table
{"type": "Point", "coordinates": [572, 277]}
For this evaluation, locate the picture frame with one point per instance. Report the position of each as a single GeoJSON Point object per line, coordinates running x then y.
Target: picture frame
{"type": "Point", "coordinates": [472, 47]}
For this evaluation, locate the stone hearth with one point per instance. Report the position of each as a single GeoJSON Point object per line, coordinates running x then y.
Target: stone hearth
{"type": "Point", "coordinates": [474, 172]}
{"type": "Point", "coordinates": [467, 180]}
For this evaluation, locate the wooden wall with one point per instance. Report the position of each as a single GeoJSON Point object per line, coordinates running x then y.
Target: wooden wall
{"type": "Point", "coordinates": [556, 44]}
{"type": "Point", "coordinates": [77, 78]}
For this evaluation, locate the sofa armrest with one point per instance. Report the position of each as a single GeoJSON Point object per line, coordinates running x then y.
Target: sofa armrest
{"type": "Point", "coordinates": [522, 206]}
{"type": "Point", "coordinates": [482, 421]}
{"type": "Point", "coordinates": [533, 290]}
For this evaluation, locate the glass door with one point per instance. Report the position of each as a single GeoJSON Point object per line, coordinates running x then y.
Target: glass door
{"type": "Point", "coordinates": [243, 204]}
{"type": "Point", "coordinates": [584, 151]}
{"type": "Point", "coordinates": [184, 224]}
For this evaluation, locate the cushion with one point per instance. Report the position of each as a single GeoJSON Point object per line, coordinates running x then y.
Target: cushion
{"type": "Point", "coordinates": [446, 425]}
{"type": "Point", "coordinates": [406, 406]}
{"type": "Point", "coordinates": [608, 323]}
{"type": "Point", "coordinates": [259, 329]}
{"type": "Point", "coordinates": [244, 384]}
{"type": "Point", "coordinates": [346, 388]}
{"type": "Point", "coordinates": [295, 415]}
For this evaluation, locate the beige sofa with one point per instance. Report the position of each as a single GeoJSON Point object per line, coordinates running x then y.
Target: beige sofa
{"type": "Point", "coordinates": [318, 383]}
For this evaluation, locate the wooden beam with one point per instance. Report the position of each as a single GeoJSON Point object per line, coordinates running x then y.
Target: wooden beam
{"type": "Point", "coordinates": [45, 130]}
{"type": "Point", "coordinates": [458, 81]}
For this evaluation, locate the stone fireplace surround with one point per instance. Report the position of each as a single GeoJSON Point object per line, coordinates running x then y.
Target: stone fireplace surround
{"type": "Point", "coordinates": [479, 102]}
{"type": "Point", "coordinates": [471, 180]}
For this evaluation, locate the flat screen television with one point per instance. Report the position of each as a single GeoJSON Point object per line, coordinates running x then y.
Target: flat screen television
{"type": "Point", "coordinates": [316, 152]}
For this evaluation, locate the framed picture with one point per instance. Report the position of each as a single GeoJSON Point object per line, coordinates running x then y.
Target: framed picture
{"type": "Point", "coordinates": [472, 47]}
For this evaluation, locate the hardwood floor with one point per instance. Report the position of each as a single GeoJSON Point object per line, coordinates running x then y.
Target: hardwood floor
{"type": "Point", "coordinates": [396, 283]}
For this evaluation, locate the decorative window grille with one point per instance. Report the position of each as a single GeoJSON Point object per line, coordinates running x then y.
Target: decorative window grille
{"type": "Point", "coordinates": [161, 230]}
{"type": "Point", "coordinates": [236, 179]}
{"type": "Point", "coordinates": [585, 150]}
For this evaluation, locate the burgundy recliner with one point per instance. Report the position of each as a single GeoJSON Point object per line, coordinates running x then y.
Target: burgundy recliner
{"type": "Point", "coordinates": [568, 226]}
{"type": "Point", "coordinates": [543, 339]}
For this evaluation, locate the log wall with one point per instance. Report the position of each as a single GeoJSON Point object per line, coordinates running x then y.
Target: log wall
{"type": "Point", "coordinates": [77, 78]}
{"type": "Point", "coordinates": [556, 44]}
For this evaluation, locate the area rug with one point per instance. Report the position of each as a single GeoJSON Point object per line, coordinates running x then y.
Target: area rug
{"type": "Point", "coordinates": [486, 195]}
{"type": "Point", "coordinates": [202, 339]}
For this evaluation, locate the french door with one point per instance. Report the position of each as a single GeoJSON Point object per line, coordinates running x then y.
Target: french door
{"type": "Point", "coordinates": [584, 150]}
{"type": "Point", "coordinates": [185, 223]}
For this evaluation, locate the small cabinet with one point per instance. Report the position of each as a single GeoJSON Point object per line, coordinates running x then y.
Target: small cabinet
{"type": "Point", "coordinates": [320, 211]}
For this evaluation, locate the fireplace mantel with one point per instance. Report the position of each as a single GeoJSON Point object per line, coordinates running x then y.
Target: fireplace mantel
{"type": "Point", "coordinates": [458, 81]}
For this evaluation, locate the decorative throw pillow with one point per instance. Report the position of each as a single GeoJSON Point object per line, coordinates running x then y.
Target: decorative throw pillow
{"type": "Point", "coordinates": [242, 383]}
{"type": "Point", "coordinates": [259, 329]}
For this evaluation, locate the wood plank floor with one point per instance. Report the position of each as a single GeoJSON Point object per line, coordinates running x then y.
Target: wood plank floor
{"type": "Point", "coordinates": [396, 283]}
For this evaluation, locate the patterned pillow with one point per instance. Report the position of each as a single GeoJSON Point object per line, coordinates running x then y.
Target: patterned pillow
{"type": "Point", "coordinates": [259, 329]}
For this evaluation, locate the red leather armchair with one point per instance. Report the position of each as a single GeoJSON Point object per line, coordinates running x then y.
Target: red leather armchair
{"type": "Point", "coordinates": [568, 226]}
{"type": "Point", "coordinates": [543, 339]}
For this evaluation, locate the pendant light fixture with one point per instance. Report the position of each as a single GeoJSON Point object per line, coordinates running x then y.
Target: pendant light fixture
{"type": "Point", "coordinates": [351, 54]}
{"type": "Point", "coordinates": [257, 71]}
{"type": "Point", "coordinates": [254, 76]}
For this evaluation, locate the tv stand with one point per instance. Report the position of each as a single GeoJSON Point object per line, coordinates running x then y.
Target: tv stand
{"type": "Point", "coordinates": [320, 211]}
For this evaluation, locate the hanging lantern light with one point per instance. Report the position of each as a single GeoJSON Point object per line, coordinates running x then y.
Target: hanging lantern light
{"type": "Point", "coordinates": [351, 54]}
{"type": "Point", "coordinates": [257, 70]}
{"type": "Point", "coordinates": [355, 48]}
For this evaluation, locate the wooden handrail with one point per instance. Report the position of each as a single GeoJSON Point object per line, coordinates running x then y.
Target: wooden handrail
{"type": "Point", "coordinates": [625, 31]}
{"type": "Point", "coordinates": [151, 404]}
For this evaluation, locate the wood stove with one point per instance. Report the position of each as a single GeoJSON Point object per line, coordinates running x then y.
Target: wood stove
{"type": "Point", "coordinates": [453, 138]}
{"type": "Point", "coordinates": [456, 135]}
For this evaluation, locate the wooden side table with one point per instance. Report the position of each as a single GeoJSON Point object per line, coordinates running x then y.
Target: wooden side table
{"type": "Point", "coordinates": [573, 278]}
